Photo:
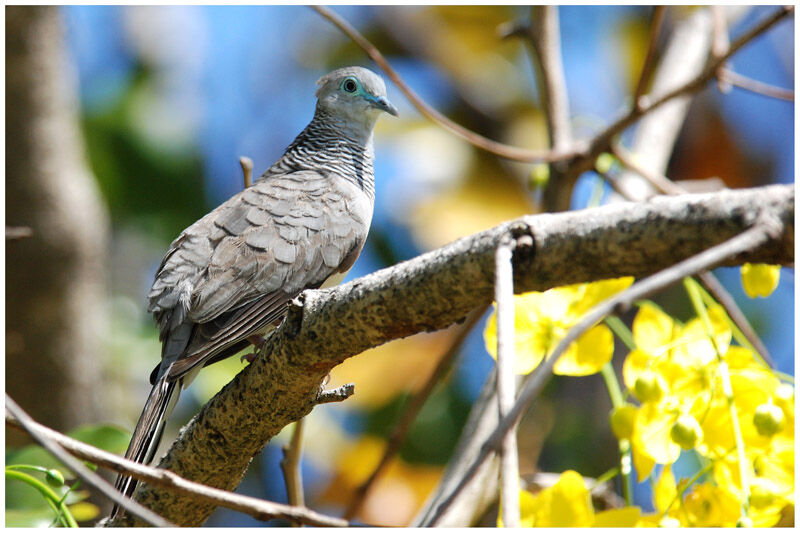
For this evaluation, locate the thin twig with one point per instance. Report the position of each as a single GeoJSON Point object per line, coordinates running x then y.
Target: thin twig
{"type": "Point", "coordinates": [506, 386]}
{"type": "Point", "coordinates": [709, 281]}
{"type": "Point", "coordinates": [720, 40]}
{"type": "Point", "coordinates": [724, 298]}
{"type": "Point", "coordinates": [644, 105]}
{"type": "Point", "coordinates": [398, 436]}
{"type": "Point", "coordinates": [649, 58]}
{"type": "Point", "coordinates": [661, 183]}
{"type": "Point", "coordinates": [260, 509]}
{"type": "Point", "coordinates": [546, 41]}
{"type": "Point", "coordinates": [613, 181]}
{"type": "Point", "coordinates": [545, 38]}
{"type": "Point", "coordinates": [91, 478]}
{"type": "Point", "coordinates": [755, 86]}
{"type": "Point", "coordinates": [760, 233]}
{"type": "Point", "coordinates": [290, 465]}
{"type": "Point", "coordinates": [338, 394]}
{"type": "Point", "coordinates": [581, 156]}
{"type": "Point", "coordinates": [497, 148]}
{"type": "Point", "coordinates": [247, 170]}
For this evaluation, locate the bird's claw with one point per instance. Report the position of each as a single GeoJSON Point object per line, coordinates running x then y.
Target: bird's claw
{"type": "Point", "coordinates": [250, 357]}
{"type": "Point", "coordinates": [258, 342]}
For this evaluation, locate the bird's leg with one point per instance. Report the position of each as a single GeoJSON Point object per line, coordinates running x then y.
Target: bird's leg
{"type": "Point", "coordinates": [258, 341]}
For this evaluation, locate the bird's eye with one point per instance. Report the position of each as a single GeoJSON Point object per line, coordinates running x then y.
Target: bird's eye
{"type": "Point", "coordinates": [349, 85]}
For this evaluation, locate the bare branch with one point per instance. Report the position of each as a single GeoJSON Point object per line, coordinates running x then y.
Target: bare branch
{"type": "Point", "coordinates": [644, 105]}
{"type": "Point", "coordinates": [290, 465]}
{"type": "Point", "coordinates": [659, 182]}
{"type": "Point", "coordinates": [260, 509]}
{"type": "Point", "coordinates": [398, 436]}
{"type": "Point", "coordinates": [581, 156]}
{"type": "Point", "coordinates": [546, 40]}
{"type": "Point", "coordinates": [754, 86]}
{"type": "Point", "coordinates": [721, 295]}
{"type": "Point", "coordinates": [649, 58]}
{"type": "Point", "coordinates": [720, 40]}
{"type": "Point", "coordinates": [79, 469]}
{"type": "Point", "coordinates": [765, 229]}
{"type": "Point", "coordinates": [338, 394]}
{"type": "Point", "coordinates": [506, 386]}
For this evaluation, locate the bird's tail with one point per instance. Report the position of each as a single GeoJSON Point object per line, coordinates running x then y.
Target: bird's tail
{"type": "Point", "coordinates": [147, 435]}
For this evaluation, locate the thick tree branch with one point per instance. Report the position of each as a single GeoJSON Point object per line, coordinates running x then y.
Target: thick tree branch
{"type": "Point", "coordinates": [434, 290]}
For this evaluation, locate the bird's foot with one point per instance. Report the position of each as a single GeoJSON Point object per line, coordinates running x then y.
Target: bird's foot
{"type": "Point", "coordinates": [258, 342]}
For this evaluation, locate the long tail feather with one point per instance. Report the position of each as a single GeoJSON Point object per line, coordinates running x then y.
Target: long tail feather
{"type": "Point", "coordinates": [147, 435]}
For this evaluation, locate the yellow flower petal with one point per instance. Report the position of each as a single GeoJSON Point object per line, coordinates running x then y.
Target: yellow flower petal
{"type": "Point", "coordinates": [651, 434]}
{"type": "Point", "coordinates": [636, 362]}
{"type": "Point", "coordinates": [535, 331]}
{"type": "Point", "coordinates": [566, 504]}
{"type": "Point", "coordinates": [710, 506]}
{"type": "Point", "coordinates": [694, 347]}
{"type": "Point", "coordinates": [652, 328]}
{"type": "Point", "coordinates": [624, 517]}
{"type": "Point", "coordinates": [595, 292]}
{"type": "Point", "coordinates": [760, 279]}
{"type": "Point", "coordinates": [642, 463]}
{"type": "Point", "coordinates": [665, 490]}
{"type": "Point", "coordinates": [588, 354]}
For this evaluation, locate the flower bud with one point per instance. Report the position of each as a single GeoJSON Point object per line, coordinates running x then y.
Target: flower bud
{"type": "Point", "coordinates": [621, 420]}
{"type": "Point", "coordinates": [54, 477]}
{"type": "Point", "coordinates": [763, 493]}
{"type": "Point", "coordinates": [686, 432]}
{"type": "Point", "coordinates": [768, 419]}
{"type": "Point", "coordinates": [648, 387]}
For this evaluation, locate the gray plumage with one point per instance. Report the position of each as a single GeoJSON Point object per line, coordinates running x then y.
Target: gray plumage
{"type": "Point", "coordinates": [230, 275]}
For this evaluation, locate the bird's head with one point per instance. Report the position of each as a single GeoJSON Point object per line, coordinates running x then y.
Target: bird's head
{"type": "Point", "coordinates": [354, 94]}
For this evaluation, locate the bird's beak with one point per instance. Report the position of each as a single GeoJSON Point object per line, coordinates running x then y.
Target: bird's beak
{"type": "Point", "coordinates": [384, 104]}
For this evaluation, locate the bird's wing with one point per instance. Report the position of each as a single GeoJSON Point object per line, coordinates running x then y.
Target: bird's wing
{"type": "Point", "coordinates": [231, 273]}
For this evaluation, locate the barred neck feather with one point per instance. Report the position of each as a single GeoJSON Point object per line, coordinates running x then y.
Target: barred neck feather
{"type": "Point", "coordinates": [331, 145]}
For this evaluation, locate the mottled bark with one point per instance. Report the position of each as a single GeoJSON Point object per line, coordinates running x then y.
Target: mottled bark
{"type": "Point", "coordinates": [430, 292]}
{"type": "Point", "coordinates": [55, 279]}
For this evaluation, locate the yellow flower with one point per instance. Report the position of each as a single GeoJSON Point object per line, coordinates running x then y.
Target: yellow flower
{"type": "Point", "coordinates": [542, 319]}
{"type": "Point", "coordinates": [651, 442]}
{"type": "Point", "coordinates": [710, 506]}
{"type": "Point", "coordinates": [565, 504]}
{"type": "Point", "coordinates": [760, 279]}
{"type": "Point", "coordinates": [568, 504]}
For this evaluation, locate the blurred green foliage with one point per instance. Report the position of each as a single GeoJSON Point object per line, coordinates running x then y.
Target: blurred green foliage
{"type": "Point", "coordinates": [32, 466]}
{"type": "Point", "coordinates": [161, 191]}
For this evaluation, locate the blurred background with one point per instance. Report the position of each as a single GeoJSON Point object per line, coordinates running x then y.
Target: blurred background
{"type": "Point", "coordinates": [138, 132]}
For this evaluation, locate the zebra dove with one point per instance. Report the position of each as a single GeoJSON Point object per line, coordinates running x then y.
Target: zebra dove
{"type": "Point", "coordinates": [228, 277]}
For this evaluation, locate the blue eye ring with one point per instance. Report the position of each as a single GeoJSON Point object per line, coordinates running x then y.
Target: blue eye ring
{"type": "Point", "coordinates": [350, 85]}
